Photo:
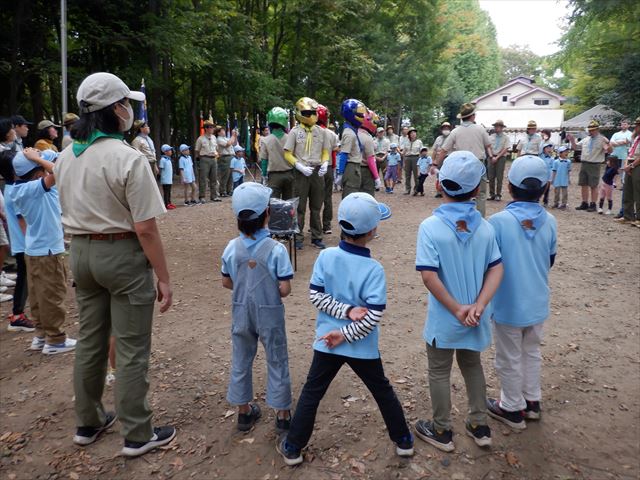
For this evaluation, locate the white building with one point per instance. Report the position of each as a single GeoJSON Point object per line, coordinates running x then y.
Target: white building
{"type": "Point", "coordinates": [519, 101]}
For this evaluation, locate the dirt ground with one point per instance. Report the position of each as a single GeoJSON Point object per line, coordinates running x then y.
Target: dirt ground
{"type": "Point", "coordinates": [591, 374]}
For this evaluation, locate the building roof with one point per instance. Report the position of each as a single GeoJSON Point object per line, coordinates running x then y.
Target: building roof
{"type": "Point", "coordinates": [517, 119]}
{"type": "Point", "coordinates": [527, 82]}
{"type": "Point", "coordinates": [606, 116]}
{"type": "Point", "coordinates": [534, 90]}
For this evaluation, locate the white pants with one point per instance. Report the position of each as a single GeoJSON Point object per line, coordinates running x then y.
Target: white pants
{"type": "Point", "coordinates": [518, 363]}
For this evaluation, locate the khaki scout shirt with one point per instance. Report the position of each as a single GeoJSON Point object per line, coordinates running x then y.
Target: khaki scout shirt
{"type": "Point", "coordinates": [107, 189]}
{"type": "Point", "coordinates": [224, 146]}
{"type": "Point", "coordinates": [296, 144]}
{"type": "Point", "coordinates": [499, 142]}
{"type": "Point", "coordinates": [412, 148]}
{"type": "Point", "coordinates": [334, 141]}
{"type": "Point", "coordinates": [593, 148]}
{"type": "Point", "coordinates": [141, 144]}
{"type": "Point", "coordinates": [349, 145]}
{"type": "Point", "coordinates": [206, 146]}
{"type": "Point", "coordinates": [272, 149]}
{"type": "Point", "coordinates": [530, 145]}
{"type": "Point", "coordinates": [468, 136]}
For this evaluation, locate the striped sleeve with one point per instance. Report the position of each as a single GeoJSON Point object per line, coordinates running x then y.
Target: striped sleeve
{"type": "Point", "coordinates": [358, 330]}
{"type": "Point", "coordinates": [327, 304]}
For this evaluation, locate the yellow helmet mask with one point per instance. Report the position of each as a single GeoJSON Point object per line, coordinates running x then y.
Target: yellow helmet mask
{"type": "Point", "coordinates": [306, 111]}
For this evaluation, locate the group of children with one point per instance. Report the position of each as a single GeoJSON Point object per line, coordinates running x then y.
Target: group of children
{"type": "Point", "coordinates": [187, 175]}
{"type": "Point", "coordinates": [393, 169]}
{"type": "Point", "coordinates": [473, 270]}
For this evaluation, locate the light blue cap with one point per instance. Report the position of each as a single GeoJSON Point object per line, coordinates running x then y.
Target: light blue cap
{"type": "Point", "coordinates": [22, 165]}
{"type": "Point", "coordinates": [362, 212]}
{"type": "Point", "coordinates": [49, 155]}
{"type": "Point", "coordinates": [393, 145]}
{"type": "Point", "coordinates": [250, 196]}
{"type": "Point", "coordinates": [238, 148]}
{"type": "Point", "coordinates": [184, 147]}
{"type": "Point", "coordinates": [165, 148]}
{"type": "Point", "coordinates": [528, 166]}
{"type": "Point", "coordinates": [463, 168]}
{"type": "Point", "coordinates": [563, 148]}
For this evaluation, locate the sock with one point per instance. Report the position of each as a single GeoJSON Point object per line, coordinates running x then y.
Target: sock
{"type": "Point", "coordinates": [601, 202]}
{"type": "Point", "coordinates": [610, 203]}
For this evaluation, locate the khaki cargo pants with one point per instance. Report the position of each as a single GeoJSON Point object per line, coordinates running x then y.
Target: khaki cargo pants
{"type": "Point", "coordinates": [115, 294]}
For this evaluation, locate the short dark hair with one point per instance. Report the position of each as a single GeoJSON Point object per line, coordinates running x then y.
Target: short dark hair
{"type": "Point", "coordinates": [535, 189]}
{"type": "Point", "coordinates": [351, 236]}
{"type": "Point", "coordinates": [6, 124]}
{"type": "Point", "coordinates": [274, 126]}
{"type": "Point", "coordinates": [249, 226]}
{"type": "Point", "coordinates": [104, 120]}
{"type": "Point", "coordinates": [31, 173]}
{"type": "Point", "coordinates": [6, 165]}
{"type": "Point", "coordinates": [462, 197]}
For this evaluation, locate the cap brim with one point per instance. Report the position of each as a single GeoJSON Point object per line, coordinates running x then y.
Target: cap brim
{"type": "Point", "coordinates": [385, 211]}
{"type": "Point", "coordinates": [137, 96]}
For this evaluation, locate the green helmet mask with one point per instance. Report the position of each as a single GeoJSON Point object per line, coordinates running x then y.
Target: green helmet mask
{"type": "Point", "coordinates": [279, 116]}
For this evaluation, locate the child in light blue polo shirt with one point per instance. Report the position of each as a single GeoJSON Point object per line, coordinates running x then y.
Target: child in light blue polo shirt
{"type": "Point", "coordinates": [424, 162]}
{"type": "Point", "coordinates": [460, 263]}
{"type": "Point", "coordinates": [391, 173]}
{"type": "Point", "coordinates": [166, 175]}
{"type": "Point", "coordinates": [547, 157]}
{"type": "Point", "coordinates": [348, 288]}
{"type": "Point", "coordinates": [187, 176]}
{"type": "Point", "coordinates": [238, 166]}
{"type": "Point", "coordinates": [526, 235]}
{"type": "Point", "coordinates": [560, 177]}
{"type": "Point", "coordinates": [35, 199]}
{"type": "Point", "coordinates": [258, 271]}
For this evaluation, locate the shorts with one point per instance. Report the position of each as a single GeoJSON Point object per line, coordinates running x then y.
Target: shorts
{"type": "Point", "coordinates": [606, 191]}
{"type": "Point", "coordinates": [589, 174]}
{"type": "Point", "coordinates": [391, 173]}
{"type": "Point", "coordinates": [4, 240]}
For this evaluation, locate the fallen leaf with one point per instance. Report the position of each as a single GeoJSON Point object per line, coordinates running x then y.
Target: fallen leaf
{"type": "Point", "coordinates": [512, 460]}
{"type": "Point", "coordinates": [228, 413]}
{"type": "Point", "coordinates": [177, 463]}
{"type": "Point", "coordinates": [247, 440]}
{"type": "Point", "coordinates": [74, 476]}
{"type": "Point", "coordinates": [357, 467]}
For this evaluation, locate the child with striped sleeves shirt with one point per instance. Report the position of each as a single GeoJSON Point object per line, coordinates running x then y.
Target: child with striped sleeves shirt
{"type": "Point", "coordinates": [348, 288]}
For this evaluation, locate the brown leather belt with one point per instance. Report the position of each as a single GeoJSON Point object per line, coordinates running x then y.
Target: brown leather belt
{"type": "Point", "coordinates": [111, 237]}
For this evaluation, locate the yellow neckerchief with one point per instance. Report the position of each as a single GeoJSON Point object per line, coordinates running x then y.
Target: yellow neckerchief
{"type": "Point", "coordinates": [309, 140]}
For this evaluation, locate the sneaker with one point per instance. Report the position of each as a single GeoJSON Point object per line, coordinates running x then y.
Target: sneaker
{"type": "Point", "coordinates": [171, 206]}
{"type": "Point", "coordinates": [187, 204]}
{"type": "Point", "coordinates": [216, 199]}
{"type": "Point", "coordinates": [438, 195]}
{"type": "Point", "coordinates": [161, 436]}
{"type": "Point", "coordinates": [618, 216]}
{"type": "Point", "coordinates": [318, 244]}
{"type": "Point", "coordinates": [491, 197]}
{"type": "Point", "coordinates": [20, 323]}
{"type": "Point", "coordinates": [5, 281]}
{"type": "Point", "coordinates": [299, 244]}
{"type": "Point", "coordinates": [3, 289]}
{"type": "Point", "coordinates": [246, 421]}
{"type": "Point", "coordinates": [283, 424]}
{"type": "Point", "coordinates": [600, 211]}
{"type": "Point", "coordinates": [441, 439]}
{"type": "Point", "coordinates": [37, 343]}
{"type": "Point", "coordinates": [327, 231]}
{"type": "Point", "coordinates": [622, 220]}
{"type": "Point", "coordinates": [87, 435]}
{"type": "Point", "coordinates": [532, 412]}
{"type": "Point", "coordinates": [592, 207]}
{"type": "Point", "coordinates": [563, 206]}
{"type": "Point", "coordinates": [291, 455]}
{"type": "Point", "coordinates": [513, 419]}
{"type": "Point", "coordinates": [481, 434]}
{"type": "Point", "coordinates": [53, 349]}
{"type": "Point", "coordinates": [555, 205]}
{"type": "Point", "coordinates": [498, 198]}
{"type": "Point", "coordinates": [608, 212]}
{"type": "Point", "coordinates": [10, 276]}
{"type": "Point", "coordinates": [583, 206]}
{"type": "Point", "coordinates": [5, 297]}
{"type": "Point", "coordinates": [404, 446]}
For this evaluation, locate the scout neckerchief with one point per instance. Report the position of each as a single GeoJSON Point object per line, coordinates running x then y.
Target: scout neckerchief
{"type": "Point", "coordinates": [308, 143]}
{"type": "Point", "coordinates": [530, 215]}
{"type": "Point", "coordinates": [80, 146]}
{"type": "Point", "coordinates": [461, 217]}
{"type": "Point", "coordinates": [355, 130]}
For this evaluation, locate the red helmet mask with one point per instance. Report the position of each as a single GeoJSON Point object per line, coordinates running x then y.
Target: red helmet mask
{"type": "Point", "coordinates": [323, 115]}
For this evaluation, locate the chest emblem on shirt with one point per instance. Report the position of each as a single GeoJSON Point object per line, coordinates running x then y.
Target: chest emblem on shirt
{"type": "Point", "coordinates": [527, 224]}
{"type": "Point", "coordinates": [252, 264]}
{"type": "Point", "coordinates": [461, 226]}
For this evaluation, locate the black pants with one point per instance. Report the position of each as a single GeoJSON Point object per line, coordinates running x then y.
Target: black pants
{"type": "Point", "coordinates": [20, 292]}
{"type": "Point", "coordinates": [167, 194]}
{"type": "Point", "coordinates": [324, 368]}
{"type": "Point", "coordinates": [545, 198]}
{"type": "Point", "coordinates": [420, 186]}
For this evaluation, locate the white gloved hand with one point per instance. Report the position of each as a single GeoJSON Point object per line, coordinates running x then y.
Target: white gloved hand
{"type": "Point", "coordinates": [323, 169]}
{"type": "Point", "coordinates": [378, 183]}
{"type": "Point", "coordinates": [306, 171]}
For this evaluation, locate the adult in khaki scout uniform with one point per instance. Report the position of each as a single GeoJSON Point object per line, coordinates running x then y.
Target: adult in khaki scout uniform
{"type": "Point", "coordinates": [206, 151]}
{"type": "Point", "coordinates": [382, 145]}
{"type": "Point", "coordinates": [307, 149]}
{"type": "Point", "coordinates": [411, 152]}
{"type": "Point", "coordinates": [280, 172]}
{"type": "Point", "coordinates": [498, 149]}
{"type": "Point", "coordinates": [595, 147]}
{"type": "Point", "coordinates": [67, 122]}
{"type": "Point", "coordinates": [356, 159]}
{"type": "Point", "coordinates": [473, 138]}
{"type": "Point", "coordinates": [144, 144]}
{"type": "Point", "coordinates": [332, 138]}
{"type": "Point", "coordinates": [631, 188]}
{"type": "Point", "coordinates": [225, 149]}
{"type": "Point", "coordinates": [445, 130]}
{"type": "Point", "coordinates": [532, 143]}
{"type": "Point", "coordinates": [115, 250]}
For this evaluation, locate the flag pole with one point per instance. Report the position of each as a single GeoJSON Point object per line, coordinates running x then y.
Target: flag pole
{"type": "Point", "coordinates": [63, 53]}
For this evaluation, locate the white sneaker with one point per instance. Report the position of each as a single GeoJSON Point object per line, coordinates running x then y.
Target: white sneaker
{"type": "Point", "coordinates": [600, 211]}
{"type": "Point", "coordinates": [10, 276]}
{"type": "Point", "coordinates": [6, 281]}
{"type": "Point", "coordinates": [608, 212]}
{"type": "Point", "coordinates": [3, 289]}
{"type": "Point", "coordinates": [68, 345]}
{"type": "Point", "coordinates": [37, 343]}
{"type": "Point", "coordinates": [5, 297]}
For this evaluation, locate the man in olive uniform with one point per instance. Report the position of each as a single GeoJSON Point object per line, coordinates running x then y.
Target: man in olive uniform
{"type": "Point", "coordinates": [498, 149]}
{"type": "Point", "coordinates": [280, 172]}
{"type": "Point", "coordinates": [532, 143]}
{"type": "Point", "coordinates": [307, 149]}
{"type": "Point", "coordinates": [206, 152]}
{"type": "Point", "coordinates": [327, 203]}
{"type": "Point", "coordinates": [473, 138]}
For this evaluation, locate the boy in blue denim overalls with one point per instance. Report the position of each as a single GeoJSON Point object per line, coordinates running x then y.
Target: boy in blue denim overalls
{"type": "Point", "coordinates": [258, 270]}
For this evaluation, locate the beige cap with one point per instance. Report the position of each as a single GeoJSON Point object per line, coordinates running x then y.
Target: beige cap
{"type": "Point", "coordinates": [99, 90]}
{"type": "Point", "coordinates": [46, 124]}
{"type": "Point", "coordinates": [69, 118]}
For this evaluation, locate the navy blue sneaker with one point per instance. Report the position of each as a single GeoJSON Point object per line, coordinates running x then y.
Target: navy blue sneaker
{"type": "Point", "coordinates": [246, 421]}
{"type": "Point", "coordinates": [533, 411]}
{"type": "Point", "coordinates": [299, 245]}
{"type": "Point", "coordinates": [481, 434]}
{"type": "Point", "coordinates": [161, 436]}
{"type": "Point", "coordinates": [87, 435]}
{"type": "Point", "coordinates": [318, 244]}
{"type": "Point", "coordinates": [441, 439]}
{"type": "Point", "coordinates": [404, 446]}
{"type": "Point", "coordinates": [514, 419]}
{"type": "Point", "coordinates": [283, 424]}
{"type": "Point", "coordinates": [291, 455]}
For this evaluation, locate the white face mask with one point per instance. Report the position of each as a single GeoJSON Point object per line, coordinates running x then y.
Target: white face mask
{"type": "Point", "coordinates": [126, 123]}
{"type": "Point", "coordinates": [446, 132]}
